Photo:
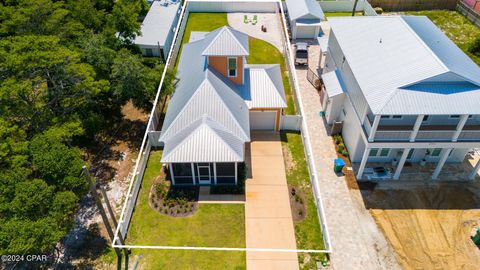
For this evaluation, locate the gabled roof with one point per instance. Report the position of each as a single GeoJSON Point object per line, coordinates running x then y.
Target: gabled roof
{"type": "Point", "coordinates": [211, 97]}
{"type": "Point", "coordinates": [265, 87]}
{"type": "Point", "coordinates": [204, 140]}
{"type": "Point", "coordinates": [225, 41]}
{"type": "Point", "coordinates": [304, 9]}
{"type": "Point", "coordinates": [406, 65]}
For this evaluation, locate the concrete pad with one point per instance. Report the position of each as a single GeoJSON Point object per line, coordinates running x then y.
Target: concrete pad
{"type": "Point", "coordinates": [271, 264]}
{"type": "Point", "coordinates": [268, 216]}
{"type": "Point", "coordinates": [271, 233]}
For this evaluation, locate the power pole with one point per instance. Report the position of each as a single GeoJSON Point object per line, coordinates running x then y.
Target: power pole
{"type": "Point", "coordinates": [354, 8]}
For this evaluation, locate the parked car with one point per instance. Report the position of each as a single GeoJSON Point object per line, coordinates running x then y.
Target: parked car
{"type": "Point", "coordinates": [301, 53]}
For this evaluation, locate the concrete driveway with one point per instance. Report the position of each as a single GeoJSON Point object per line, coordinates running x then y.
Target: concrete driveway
{"type": "Point", "coordinates": [268, 214]}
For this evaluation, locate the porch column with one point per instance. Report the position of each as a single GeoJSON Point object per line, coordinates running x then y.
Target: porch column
{"type": "Point", "coordinates": [215, 173]}
{"type": "Point", "coordinates": [193, 174]}
{"type": "Point", "coordinates": [403, 158]}
{"type": "Point", "coordinates": [376, 121]}
{"type": "Point", "coordinates": [236, 174]}
{"type": "Point", "coordinates": [416, 127]}
{"type": "Point", "coordinates": [460, 125]}
{"type": "Point", "coordinates": [171, 173]}
{"type": "Point", "coordinates": [363, 163]}
{"type": "Point", "coordinates": [441, 162]}
{"type": "Point", "coordinates": [475, 171]}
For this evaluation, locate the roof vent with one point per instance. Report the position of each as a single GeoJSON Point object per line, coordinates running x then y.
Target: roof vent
{"type": "Point", "coordinates": [380, 40]}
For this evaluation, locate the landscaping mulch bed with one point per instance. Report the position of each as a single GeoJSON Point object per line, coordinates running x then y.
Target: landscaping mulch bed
{"type": "Point", "coordinates": [173, 201]}
{"type": "Point", "coordinates": [343, 154]}
{"type": "Point", "coordinates": [297, 203]}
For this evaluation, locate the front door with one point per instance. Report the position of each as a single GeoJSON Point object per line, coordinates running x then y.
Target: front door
{"type": "Point", "coordinates": [204, 175]}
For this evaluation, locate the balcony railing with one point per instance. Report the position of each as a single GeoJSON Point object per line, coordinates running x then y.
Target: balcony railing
{"type": "Point", "coordinates": [439, 133]}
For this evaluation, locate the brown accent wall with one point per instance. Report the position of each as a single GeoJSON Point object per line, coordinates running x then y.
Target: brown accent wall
{"type": "Point", "coordinates": [220, 64]}
{"type": "Point", "coordinates": [279, 113]}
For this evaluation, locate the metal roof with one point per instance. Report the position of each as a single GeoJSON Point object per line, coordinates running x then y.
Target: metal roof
{"type": "Point", "coordinates": [406, 65]}
{"type": "Point", "coordinates": [304, 9]}
{"type": "Point", "coordinates": [157, 23]}
{"type": "Point", "coordinates": [333, 83]}
{"type": "Point", "coordinates": [203, 141]}
{"type": "Point", "coordinates": [265, 87]}
{"type": "Point", "coordinates": [225, 41]}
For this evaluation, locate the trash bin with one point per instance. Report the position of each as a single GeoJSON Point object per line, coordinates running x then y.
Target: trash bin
{"type": "Point", "coordinates": [338, 165]}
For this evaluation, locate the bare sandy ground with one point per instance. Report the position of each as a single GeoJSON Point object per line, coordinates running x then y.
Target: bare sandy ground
{"type": "Point", "coordinates": [429, 227]}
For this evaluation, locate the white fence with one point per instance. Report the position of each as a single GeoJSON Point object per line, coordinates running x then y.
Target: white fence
{"type": "Point", "coordinates": [263, 6]}
{"type": "Point", "coordinates": [291, 122]}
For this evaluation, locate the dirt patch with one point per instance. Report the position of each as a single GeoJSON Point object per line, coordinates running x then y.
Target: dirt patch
{"type": "Point", "coordinates": [297, 203]}
{"type": "Point", "coordinates": [173, 201]}
{"type": "Point", "coordinates": [429, 226]}
{"type": "Point", "coordinates": [288, 158]}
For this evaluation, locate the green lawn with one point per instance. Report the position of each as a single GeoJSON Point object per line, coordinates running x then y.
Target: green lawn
{"type": "Point", "coordinates": [342, 14]}
{"type": "Point", "coordinates": [458, 28]}
{"type": "Point", "coordinates": [307, 231]}
{"type": "Point", "coordinates": [212, 225]}
{"type": "Point", "coordinates": [261, 52]}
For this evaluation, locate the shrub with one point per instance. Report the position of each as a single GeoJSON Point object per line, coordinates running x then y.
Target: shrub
{"type": "Point", "coordinates": [341, 148]}
{"type": "Point", "coordinates": [155, 205]}
{"type": "Point", "coordinates": [475, 47]}
{"type": "Point", "coordinates": [345, 153]}
{"type": "Point", "coordinates": [378, 10]}
{"type": "Point", "coordinates": [337, 139]}
{"type": "Point", "coordinates": [300, 212]}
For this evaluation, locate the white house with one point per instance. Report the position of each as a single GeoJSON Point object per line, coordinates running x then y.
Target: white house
{"type": "Point", "coordinates": [403, 91]}
{"type": "Point", "coordinates": [218, 100]}
{"type": "Point", "coordinates": [304, 17]}
{"type": "Point", "coordinates": [158, 28]}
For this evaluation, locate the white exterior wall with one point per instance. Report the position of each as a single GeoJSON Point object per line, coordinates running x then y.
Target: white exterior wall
{"type": "Point", "coordinates": [351, 132]}
{"type": "Point", "coordinates": [155, 50]}
{"type": "Point", "coordinates": [233, 6]}
{"type": "Point", "coordinates": [334, 108]}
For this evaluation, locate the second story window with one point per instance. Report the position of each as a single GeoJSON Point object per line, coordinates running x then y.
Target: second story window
{"type": "Point", "coordinates": [232, 67]}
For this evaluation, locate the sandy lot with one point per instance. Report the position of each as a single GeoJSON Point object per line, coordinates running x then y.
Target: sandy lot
{"type": "Point", "coordinates": [429, 226]}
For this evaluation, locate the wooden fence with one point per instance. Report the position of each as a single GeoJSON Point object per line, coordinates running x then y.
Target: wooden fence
{"type": "Point", "coordinates": [469, 13]}
{"type": "Point", "coordinates": [404, 5]}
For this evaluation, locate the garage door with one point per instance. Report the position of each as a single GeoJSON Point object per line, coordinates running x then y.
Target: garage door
{"type": "Point", "coordinates": [306, 31]}
{"type": "Point", "coordinates": [263, 120]}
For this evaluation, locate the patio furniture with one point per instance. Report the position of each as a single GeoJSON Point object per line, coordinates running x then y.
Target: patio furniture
{"type": "Point", "coordinates": [255, 20]}
{"type": "Point", "coordinates": [377, 173]}
{"type": "Point", "coordinates": [245, 19]}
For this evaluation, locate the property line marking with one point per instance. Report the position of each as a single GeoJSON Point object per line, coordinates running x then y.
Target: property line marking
{"type": "Point", "coordinates": [225, 249]}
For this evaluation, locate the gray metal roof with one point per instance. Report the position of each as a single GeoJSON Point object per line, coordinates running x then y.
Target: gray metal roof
{"type": "Point", "coordinates": [225, 41]}
{"type": "Point", "coordinates": [304, 9]}
{"type": "Point", "coordinates": [158, 23]}
{"type": "Point", "coordinates": [406, 65]}
{"type": "Point", "coordinates": [209, 141]}
{"type": "Point", "coordinates": [333, 83]}
{"type": "Point", "coordinates": [265, 87]}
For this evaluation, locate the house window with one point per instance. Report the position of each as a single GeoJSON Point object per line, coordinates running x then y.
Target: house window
{"type": "Point", "coordinates": [148, 52]}
{"type": "Point", "coordinates": [425, 118]}
{"type": "Point", "coordinates": [455, 116]}
{"type": "Point", "coordinates": [397, 117]}
{"type": "Point", "coordinates": [232, 67]}
{"type": "Point", "coordinates": [435, 152]}
{"type": "Point", "coordinates": [379, 152]}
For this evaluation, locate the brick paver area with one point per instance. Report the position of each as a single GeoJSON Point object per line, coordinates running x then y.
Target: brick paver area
{"type": "Point", "coordinates": [268, 215]}
{"type": "Point", "coordinates": [356, 240]}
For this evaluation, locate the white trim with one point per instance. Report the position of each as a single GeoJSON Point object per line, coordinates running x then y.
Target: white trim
{"type": "Point", "coordinates": [373, 130]}
{"type": "Point", "coordinates": [205, 182]}
{"type": "Point", "coordinates": [172, 174]}
{"type": "Point", "coordinates": [228, 67]}
{"type": "Point", "coordinates": [416, 127]}
{"type": "Point", "coordinates": [193, 173]}
{"type": "Point", "coordinates": [460, 125]}
{"type": "Point", "coordinates": [398, 171]}
{"type": "Point", "coordinates": [475, 171]}
{"type": "Point", "coordinates": [441, 162]}
{"type": "Point", "coordinates": [236, 173]}
{"type": "Point", "coordinates": [363, 163]}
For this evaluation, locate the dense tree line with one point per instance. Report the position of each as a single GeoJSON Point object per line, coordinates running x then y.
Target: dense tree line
{"type": "Point", "coordinates": [66, 69]}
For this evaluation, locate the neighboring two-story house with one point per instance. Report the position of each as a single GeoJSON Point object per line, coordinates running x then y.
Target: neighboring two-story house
{"type": "Point", "coordinates": [218, 100]}
{"type": "Point", "coordinates": [403, 91]}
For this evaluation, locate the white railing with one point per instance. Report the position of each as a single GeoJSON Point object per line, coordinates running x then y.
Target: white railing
{"type": "Point", "coordinates": [435, 135]}
{"type": "Point", "coordinates": [367, 126]}
{"type": "Point", "coordinates": [469, 135]}
{"type": "Point", "coordinates": [392, 135]}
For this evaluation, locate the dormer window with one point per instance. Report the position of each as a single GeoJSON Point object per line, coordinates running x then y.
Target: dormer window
{"type": "Point", "coordinates": [232, 67]}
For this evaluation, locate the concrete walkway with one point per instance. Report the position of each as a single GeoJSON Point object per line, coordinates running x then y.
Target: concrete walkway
{"type": "Point", "coordinates": [268, 214]}
{"type": "Point", "coordinates": [271, 21]}
{"type": "Point", "coordinates": [356, 240]}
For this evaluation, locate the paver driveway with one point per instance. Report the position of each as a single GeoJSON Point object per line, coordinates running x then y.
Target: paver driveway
{"type": "Point", "coordinates": [268, 214]}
